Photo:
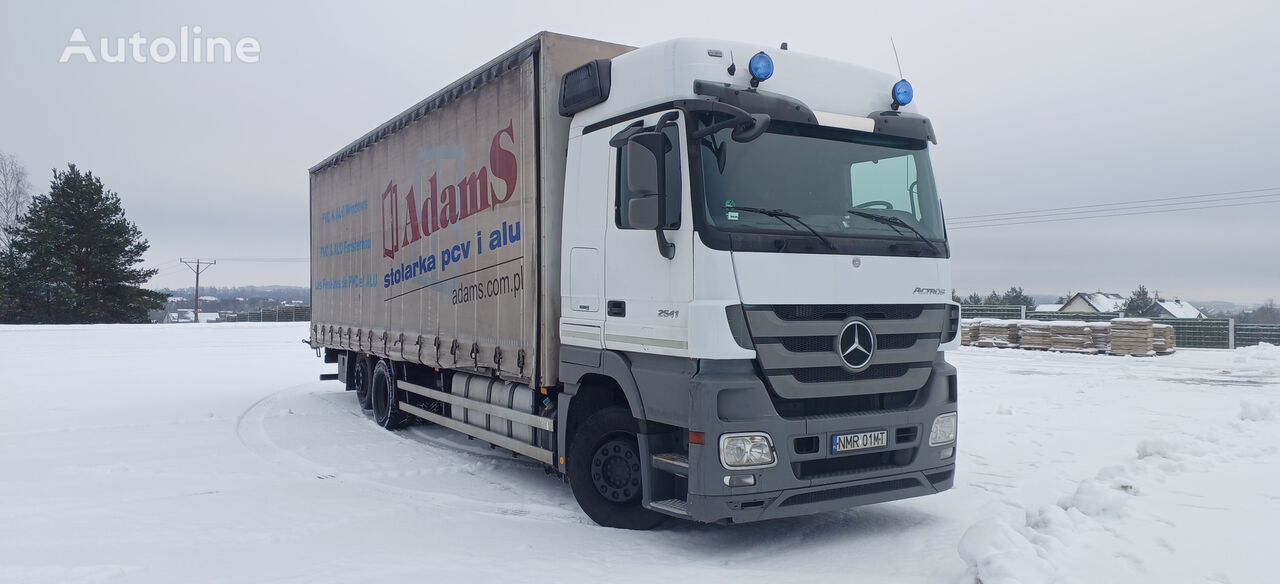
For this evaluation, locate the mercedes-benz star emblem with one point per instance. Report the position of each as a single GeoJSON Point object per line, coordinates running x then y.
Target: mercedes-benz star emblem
{"type": "Point", "coordinates": [855, 344]}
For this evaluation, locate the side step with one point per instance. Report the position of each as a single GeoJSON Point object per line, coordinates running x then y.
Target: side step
{"type": "Point", "coordinates": [675, 463]}
{"type": "Point", "coordinates": [678, 507]}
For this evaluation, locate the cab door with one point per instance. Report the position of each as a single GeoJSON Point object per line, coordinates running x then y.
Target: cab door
{"type": "Point", "coordinates": [646, 294]}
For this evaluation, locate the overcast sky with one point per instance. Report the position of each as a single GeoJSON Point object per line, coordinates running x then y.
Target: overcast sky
{"type": "Point", "coordinates": [1037, 105]}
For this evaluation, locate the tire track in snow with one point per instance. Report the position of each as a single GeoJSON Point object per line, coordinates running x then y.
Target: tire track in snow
{"type": "Point", "coordinates": [251, 430]}
{"type": "Point", "coordinates": [1090, 523]}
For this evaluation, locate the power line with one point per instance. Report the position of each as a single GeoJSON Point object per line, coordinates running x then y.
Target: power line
{"type": "Point", "coordinates": [1101, 206]}
{"type": "Point", "coordinates": [266, 260]}
{"type": "Point", "coordinates": [1106, 215]}
{"type": "Point", "coordinates": [1092, 212]}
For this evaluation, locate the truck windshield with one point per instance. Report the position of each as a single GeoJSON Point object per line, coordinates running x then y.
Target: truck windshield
{"type": "Point", "coordinates": [842, 184]}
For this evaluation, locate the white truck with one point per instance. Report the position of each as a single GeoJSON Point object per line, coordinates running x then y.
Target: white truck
{"type": "Point", "coordinates": [699, 279]}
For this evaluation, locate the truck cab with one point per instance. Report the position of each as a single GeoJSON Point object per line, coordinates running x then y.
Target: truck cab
{"type": "Point", "coordinates": [754, 259]}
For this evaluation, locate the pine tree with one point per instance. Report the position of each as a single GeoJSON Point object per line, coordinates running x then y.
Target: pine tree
{"type": "Point", "coordinates": [1014, 297]}
{"type": "Point", "coordinates": [973, 298]}
{"type": "Point", "coordinates": [1140, 304]}
{"type": "Point", "coordinates": [74, 254]}
{"type": "Point", "coordinates": [14, 287]}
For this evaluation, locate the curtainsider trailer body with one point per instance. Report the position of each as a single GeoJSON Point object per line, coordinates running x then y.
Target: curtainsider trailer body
{"type": "Point", "coordinates": [699, 279]}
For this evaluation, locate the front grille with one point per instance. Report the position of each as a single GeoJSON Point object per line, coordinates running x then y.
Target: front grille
{"type": "Point", "coordinates": [852, 464]}
{"type": "Point", "coordinates": [853, 491]}
{"type": "Point", "coordinates": [825, 343]}
{"type": "Point", "coordinates": [819, 406]}
{"type": "Point", "coordinates": [837, 374]}
{"type": "Point", "coordinates": [796, 351]}
{"type": "Point", "coordinates": [795, 312]}
{"type": "Point", "coordinates": [805, 344]}
{"type": "Point", "coordinates": [851, 404]}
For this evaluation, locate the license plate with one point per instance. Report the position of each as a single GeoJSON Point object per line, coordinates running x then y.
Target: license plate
{"type": "Point", "coordinates": [859, 441]}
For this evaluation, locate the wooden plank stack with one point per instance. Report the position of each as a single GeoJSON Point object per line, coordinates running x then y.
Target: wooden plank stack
{"type": "Point", "coordinates": [1101, 335]}
{"type": "Point", "coordinates": [969, 328]}
{"type": "Point", "coordinates": [1072, 337]}
{"type": "Point", "coordinates": [1035, 334]}
{"type": "Point", "coordinates": [1131, 336]}
{"type": "Point", "coordinates": [998, 333]}
{"type": "Point", "coordinates": [1163, 339]}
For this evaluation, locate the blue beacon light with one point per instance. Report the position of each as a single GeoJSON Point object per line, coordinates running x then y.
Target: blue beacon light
{"type": "Point", "coordinates": [902, 93]}
{"type": "Point", "coordinates": [761, 68]}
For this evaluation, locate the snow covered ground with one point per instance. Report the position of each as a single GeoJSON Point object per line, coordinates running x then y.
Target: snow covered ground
{"type": "Point", "coordinates": [212, 454]}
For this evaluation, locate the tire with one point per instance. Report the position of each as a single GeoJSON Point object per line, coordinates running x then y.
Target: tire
{"type": "Point", "coordinates": [360, 379]}
{"type": "Point", "coordinates": [604, 471]}
{"type": "Point", "coordinates": [384, 398]}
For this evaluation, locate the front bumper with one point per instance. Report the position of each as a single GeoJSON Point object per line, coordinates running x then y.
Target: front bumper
{"type": "Point", "coordinates": [747, 507]}
{"type": "Point", "coordinates": [808, 478]}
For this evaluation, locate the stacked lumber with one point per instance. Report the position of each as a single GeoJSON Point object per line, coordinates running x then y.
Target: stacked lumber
{"type": "Point", "coordinates": [1035, 334]}
{"type": "Point", "coordinates": [998, 333]}
{"type": "Point", "coordinates": [969, 330]}
{"type": "Point", "coordinates": [1072, 337]}
{"type": "Point", "coordinates": [1101, 335]}
{"type": "Point", "coordinates": [1131, 336]}
{"type": "Point", "coordinates": [1163, 339]}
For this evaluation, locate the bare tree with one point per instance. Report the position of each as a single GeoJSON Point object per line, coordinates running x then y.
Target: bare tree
{"type": "Point", "coordinates": [15, 195]}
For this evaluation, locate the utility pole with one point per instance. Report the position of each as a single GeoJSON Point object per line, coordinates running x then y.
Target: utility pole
{"type": "Point", "coordinates": [198, 267]}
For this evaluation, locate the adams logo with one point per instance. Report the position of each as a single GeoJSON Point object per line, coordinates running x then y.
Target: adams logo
{"type": "Point", "coordinates": [404, 221]}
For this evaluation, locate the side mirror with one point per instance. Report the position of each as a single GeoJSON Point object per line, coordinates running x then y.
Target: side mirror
{"type": "Point", "coordinates": [646, 174]}
{"type": "Point", "coordinates": [644, 212]}
{"type": "Point", "coordinates": [647, 177]}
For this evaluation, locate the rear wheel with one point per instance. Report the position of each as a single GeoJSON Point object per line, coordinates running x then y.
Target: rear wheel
{"type": "Point", "coordinates": [361, 377]}
{"type": "Point", "coordinates": [383, 395]}
{"type": "Point", "coordinates": [604, 471]}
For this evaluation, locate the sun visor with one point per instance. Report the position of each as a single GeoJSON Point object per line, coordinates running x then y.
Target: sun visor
{"type": "Point", "coordinates": [904, 125]}
{"type": "Point", "coordinates": [779, 107]}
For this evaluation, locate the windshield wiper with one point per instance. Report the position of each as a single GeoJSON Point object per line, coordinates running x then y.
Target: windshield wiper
{"type": "Point", "coordinates": [782, 216]}
{"type": "Point", "coordinates": [894, 223]}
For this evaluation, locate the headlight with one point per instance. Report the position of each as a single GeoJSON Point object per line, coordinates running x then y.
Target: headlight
{"type": "Point", "coordinates": [746, 450]}
{"type": "Point", "coordinates": [944, 430]}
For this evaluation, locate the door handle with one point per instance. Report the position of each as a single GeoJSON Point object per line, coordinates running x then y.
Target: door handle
{"type": "Point", "coordinates": [617, 308]}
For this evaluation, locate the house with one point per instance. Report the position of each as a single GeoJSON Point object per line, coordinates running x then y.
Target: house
{"type": "Point", "coordinates": [1094, 302]}
{"type": "Point", "coordinates": [1178, 309]}
{"type": "Point", "coordinates": [185, 315]}
{"type": "Point", "coordinates": [1111, 302]}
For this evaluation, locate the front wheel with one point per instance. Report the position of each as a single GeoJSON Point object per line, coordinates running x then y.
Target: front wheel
{"type": "Point", "coordinates": [604, 471]}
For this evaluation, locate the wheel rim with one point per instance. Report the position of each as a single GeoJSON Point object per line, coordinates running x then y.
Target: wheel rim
{"type": "Point", "coordinates": [360, 378]}
{"type": "Point", "coordinates": [615, 471]}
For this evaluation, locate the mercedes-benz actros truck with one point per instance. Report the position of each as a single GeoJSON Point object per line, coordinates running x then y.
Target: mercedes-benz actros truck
{"type": "Point", "coordinates": [700, 279]}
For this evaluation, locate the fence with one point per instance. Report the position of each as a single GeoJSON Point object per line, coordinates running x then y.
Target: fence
{"type": "Point", "coordinates": [1197, 333]}
{"type": "Point", "coordinates": [279, 314]}
{"type": "Point", "coordinates": [1002, 311]}
{"type": "Point", "coordinates": [1206, 333]}
{"type": "Point", "coordinates": [1253, 334]}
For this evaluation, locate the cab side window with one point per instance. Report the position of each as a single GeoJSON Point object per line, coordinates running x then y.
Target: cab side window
{"type": "Point", "coordinates": [673, 188]}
